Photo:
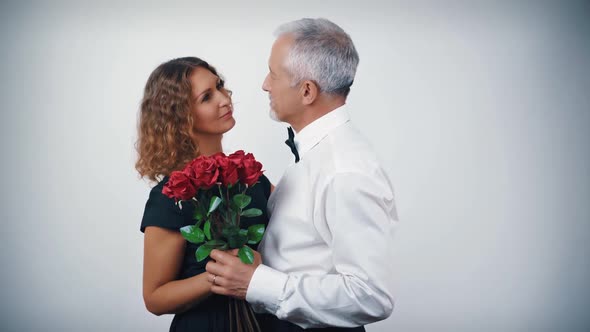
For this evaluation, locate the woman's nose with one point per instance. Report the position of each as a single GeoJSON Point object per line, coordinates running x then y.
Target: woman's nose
{"type": "Point", "coordinates": [225, 98]}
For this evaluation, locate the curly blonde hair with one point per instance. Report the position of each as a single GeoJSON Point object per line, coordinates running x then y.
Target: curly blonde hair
{"type": "Point", "coordinates": [166, 139]}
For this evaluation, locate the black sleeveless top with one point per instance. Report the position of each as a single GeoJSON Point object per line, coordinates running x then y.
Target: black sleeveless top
{"type": "Point", "coordinates": [212, 313]}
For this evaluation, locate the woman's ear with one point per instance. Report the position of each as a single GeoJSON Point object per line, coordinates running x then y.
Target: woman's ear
{"type": "Point", "coordinates": [309, 92]}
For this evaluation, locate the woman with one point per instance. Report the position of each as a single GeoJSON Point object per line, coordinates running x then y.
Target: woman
{"type": "Point", "coordinates": [184, 113]}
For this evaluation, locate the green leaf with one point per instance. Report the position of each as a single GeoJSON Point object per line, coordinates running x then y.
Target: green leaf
{"type": "Point", "coordinates": [192, 234]}
{"type": "Point", "coordinates": [202, 252]}
{"type": "Point", "coordinates": [255, 233]}
{"type": "Point", "coordinates": [215, 243]}
{"type": "Point", "coordinates": [242, 200]}
{"type": "Point", "coordinates": [229, 231]}
{"type": "Point", "coordinates": [207, 229]}
{"type": "Point", "coordinates": [198, 214]}
{"type": "Point", "coordinates": [246, 255]}
{"type": "Point", "coordinates": [205, 249]}
{"type": "Point", "coordinates": [215, 201]}
{"type": "Point", "coordinates": [233, 206]}
{"type": "Point", "coordinates": [238, 240]}
{"type": "Point", "coordinates": [233, 218]}
{"type": "Point", "coordinates": [251, 213]}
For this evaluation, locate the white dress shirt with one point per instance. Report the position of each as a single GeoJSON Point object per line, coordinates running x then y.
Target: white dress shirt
{"type": "Point", "coordinates": [327, 249]}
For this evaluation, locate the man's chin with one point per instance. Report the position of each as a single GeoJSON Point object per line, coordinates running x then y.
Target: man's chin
{"type": "Point", "coordinates": [273, 115]}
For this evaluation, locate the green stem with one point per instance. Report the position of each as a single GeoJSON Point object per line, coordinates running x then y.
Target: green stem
{"type": "Point", "coordinates": [228, 215]}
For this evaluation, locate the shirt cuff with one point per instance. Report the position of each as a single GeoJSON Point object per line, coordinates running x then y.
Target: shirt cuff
{"type": "Point", "coordinates": [266, 289]}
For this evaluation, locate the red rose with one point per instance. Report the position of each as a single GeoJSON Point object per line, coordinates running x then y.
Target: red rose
{"type": "Point", "coordinates": [250, 171]}
{"type": "Point", "coordinates": [179, 187]}
{"type": "Point", "coordinates": [228, 167]}
{"type": "Point", "coordinates": [203, 172]}
{"type": "Point", "coordinates": [220, 158]}
{"type": "Point", "coordinates": [225, 167]}
{"type": "Point", "coordinates": [237, 157]}
{"type": "Point", "coordinates": [229, 173]}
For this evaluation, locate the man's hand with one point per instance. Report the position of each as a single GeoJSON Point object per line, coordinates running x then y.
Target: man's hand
{"type": "Point", "coordinates": [229, 275]}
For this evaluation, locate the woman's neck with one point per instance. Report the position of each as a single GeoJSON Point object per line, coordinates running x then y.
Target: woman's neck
{"type": "Point", "coordinates": [209, 145]}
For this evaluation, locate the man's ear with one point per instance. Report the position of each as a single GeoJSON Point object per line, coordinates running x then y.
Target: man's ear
{"type": "Point", "coordinates": [309, 92]}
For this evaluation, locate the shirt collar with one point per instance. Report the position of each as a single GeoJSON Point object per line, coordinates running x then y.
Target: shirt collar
{"type": "Point", "coordinates": [314, 132]}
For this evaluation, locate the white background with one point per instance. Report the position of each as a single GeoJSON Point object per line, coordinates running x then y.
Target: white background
{"type": "Point", "coordinates": [480, 112]}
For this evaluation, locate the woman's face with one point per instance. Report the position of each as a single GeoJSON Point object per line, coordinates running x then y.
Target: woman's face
{"type": "Point", "coordinates": [212, 107]}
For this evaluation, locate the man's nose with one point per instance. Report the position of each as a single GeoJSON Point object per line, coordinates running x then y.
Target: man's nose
{"type": "Point", "coordinates": [265, 86]}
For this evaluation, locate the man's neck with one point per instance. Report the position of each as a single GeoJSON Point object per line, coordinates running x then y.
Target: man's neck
{"type": "Point", "coordinates": [316, 111]}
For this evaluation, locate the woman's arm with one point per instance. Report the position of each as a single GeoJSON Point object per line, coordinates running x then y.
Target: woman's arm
{"type": "Point", "coordinates": [272, 187]}
{"type": "Point", "coordinates": [162, 259]}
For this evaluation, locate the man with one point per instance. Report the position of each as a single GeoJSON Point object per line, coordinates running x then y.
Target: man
{"type": "Point", "coordinates": [327, 248]}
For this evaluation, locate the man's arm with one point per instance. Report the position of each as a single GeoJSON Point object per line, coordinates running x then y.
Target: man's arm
{"type": "Point", "coordinates": [360, 215]}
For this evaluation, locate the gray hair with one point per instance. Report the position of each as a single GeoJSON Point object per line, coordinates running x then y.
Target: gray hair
{"type": "Point", "coordinates": [321, 52]}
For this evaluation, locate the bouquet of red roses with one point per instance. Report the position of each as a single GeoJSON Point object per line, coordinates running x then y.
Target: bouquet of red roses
{"type": "Point", "coordinates": [216, 185]}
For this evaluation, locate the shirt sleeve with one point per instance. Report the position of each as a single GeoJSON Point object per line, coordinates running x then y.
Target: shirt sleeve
{"type": "Point", "coordinates": [359, 215]}
{"type": "Point", "coordinates": [161, 211]}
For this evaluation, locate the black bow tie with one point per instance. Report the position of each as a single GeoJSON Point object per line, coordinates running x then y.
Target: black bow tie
{"type": "Point", "coordinates": [291, 143]}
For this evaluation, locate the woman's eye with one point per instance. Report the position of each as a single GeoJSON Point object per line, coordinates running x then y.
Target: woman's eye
{"type": "Point", "coordinates": [207, 96]}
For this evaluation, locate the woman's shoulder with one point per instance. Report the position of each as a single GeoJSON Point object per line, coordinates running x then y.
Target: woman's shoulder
{"type": "Point", "coordinates": [265, 184]}
{"type": "Point", "coordinates": [157, 189]}
{"type": "Point", "coordinates": [162, 211]}
{"type": "Point", "coordinates": [156, 194]}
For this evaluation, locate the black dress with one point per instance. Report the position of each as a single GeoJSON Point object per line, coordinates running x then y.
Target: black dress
{"type": "Point", "coordinates": [272, 324]}
{"type": "Point", "coordinates": [212, 313]}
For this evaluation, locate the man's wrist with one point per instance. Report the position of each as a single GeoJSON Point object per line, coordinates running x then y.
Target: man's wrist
{"type": "Point", "coordinates": [266, 288]}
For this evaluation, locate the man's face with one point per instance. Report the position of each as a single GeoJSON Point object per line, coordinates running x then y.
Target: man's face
{"type": "Point", "coordinates": [285, 102]}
